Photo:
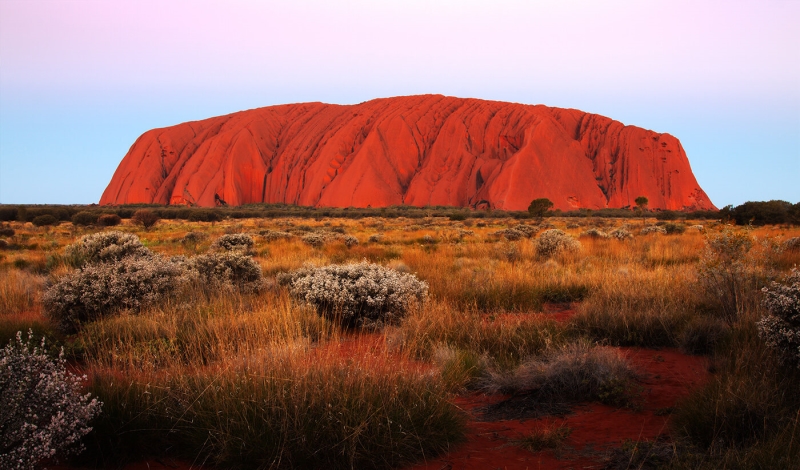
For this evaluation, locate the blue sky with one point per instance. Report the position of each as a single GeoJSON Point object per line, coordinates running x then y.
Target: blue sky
{"type": "Point", "coordinates": [81, 80]}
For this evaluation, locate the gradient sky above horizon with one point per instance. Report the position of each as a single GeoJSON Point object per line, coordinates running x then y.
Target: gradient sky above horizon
{"type": "Point", "coordinates": [81, 80]}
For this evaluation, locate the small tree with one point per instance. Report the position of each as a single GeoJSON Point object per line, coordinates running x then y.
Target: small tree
{"type": "Point", "coordinates": [641, 203]}
{"type": "Point", "coordinates": [539, 207]}
{"type": "Point", "coordinates": [146, 218]}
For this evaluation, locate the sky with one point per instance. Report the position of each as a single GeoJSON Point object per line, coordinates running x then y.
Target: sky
{"type": "Point", "coordinates": [81, 80]}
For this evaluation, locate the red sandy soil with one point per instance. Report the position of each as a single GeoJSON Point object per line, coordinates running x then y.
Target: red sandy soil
{"type": "Point", "coordinates": [666, 376]}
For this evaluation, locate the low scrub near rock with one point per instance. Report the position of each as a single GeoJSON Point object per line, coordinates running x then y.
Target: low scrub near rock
{"type": "Point", "coordinates": [44, 412]}
{"type": "Point", "coordinates": [650, 229]}
{"type": "Point", "coordinates": [106, 247]}
{"type": "Point", "coordinates": [357, 295]}
{"type": "Point", "coordinates": [231, 269]}
{"type": "Point", "coordinates": [554, 241]}
{"type": "Point", "coordinates": [234, 242]}
{"type": "Point", "coordinates": [102, 289]}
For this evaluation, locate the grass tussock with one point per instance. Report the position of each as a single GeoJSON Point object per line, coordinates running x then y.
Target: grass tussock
{"type": "Point", "coordinates": [505, 339]}
{"type": "Point", "coordinates": [639, 308]}
{"type": "Point", "coordinates": [19, 291]}
{"type": "Point", "coordinates": [575, 372]}
{"type": "Point", "coordinates": [283, 409]}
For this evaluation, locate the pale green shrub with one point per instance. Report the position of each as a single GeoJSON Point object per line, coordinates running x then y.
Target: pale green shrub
{"type": "Point", "coordinates": [102, 289]}
{"type": "Point", "coordinates": [106, 247]}
{"type": "Point", "coordinates": [233, 242]}
{"type": "Point", "coordinates": [357, 295]}
{"type": "Point", "coordinates": [231, 269]}
{"type": "Point", "coordinates": [554, 241]}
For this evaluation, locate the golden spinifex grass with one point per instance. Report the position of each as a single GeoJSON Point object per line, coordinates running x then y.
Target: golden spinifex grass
{"type": "Point", "coordinates": [286, 407]}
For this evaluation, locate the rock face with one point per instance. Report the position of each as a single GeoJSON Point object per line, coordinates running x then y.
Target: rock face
{"type": "Point", "coordinates": [415, 150]}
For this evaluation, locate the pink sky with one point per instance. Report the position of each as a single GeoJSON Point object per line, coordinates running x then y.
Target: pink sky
{"type": "Point", "coordinates": [656, 64]}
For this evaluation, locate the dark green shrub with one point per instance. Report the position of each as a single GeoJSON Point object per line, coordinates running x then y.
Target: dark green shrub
{"type": "Point", "coordinates": [7, 213]}
{"type": "Point", "coordinates": [206, 215]}
{"type": "Point", "coordinates": [674, 229]}
{"type": "Point", "coordinates": [7, 232]}
{"type": "Point", "coordinates": [539, 207]}
{"type": "Point", "coordinates": [109, 220]}
{"type": "Point", "coordinates": [84, 218]}
{"type": "Point", "coordinates": [146, 218]}
{"type": "Point", "coordinates": [44, 220]}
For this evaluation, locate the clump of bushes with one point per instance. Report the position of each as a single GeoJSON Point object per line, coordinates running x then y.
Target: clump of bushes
{"type": "Point", "coordinates": [554, 241]}
{"type": "Point", "coordinates": [674, 229]}
{"type": "Point", "coordinates": [84, 218]}
{"type": "Point", "coordinates": [780, 329]}
{"type": "Point", "coordinates": [232, 269]}
{"type": "Point", "coordinates": [318, 239]}
{"type": "Point", "coordinates": [102, 289]}
{"type": "Point", "coordinates": [109, 220]}
{"type": "Point", "coordinates": [44, 413]}
{"type": "Point", "coordinates": [653, 229]}
{"type": "Point", "coordinates": [621, 234]}
{"type": "Point", "coordinates": [594, 233]}
{"type": "Point", "coordinates": [234, 242]}
{"type": "Point", "coordinates": [273, 235]}
{"type": "Point", "coordinates": [509, 234]}
{"type": "Point", "coordinates": [193, 238]}
{"type": "Point", "coordinates": [44, 220]}
{"type": "Point", "coordinates": [6, 231]}
{"type": "Point", "coordinates": [105, 247]}
{"type": "Point", "coordinates": [357, 295]}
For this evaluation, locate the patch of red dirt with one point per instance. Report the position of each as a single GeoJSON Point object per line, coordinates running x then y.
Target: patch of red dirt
{"type": "Point", "coordinates": [666, 377]}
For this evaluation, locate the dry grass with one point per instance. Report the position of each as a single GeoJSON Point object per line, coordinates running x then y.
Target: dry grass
{"type": "Point", "coordinates": [292, 394]}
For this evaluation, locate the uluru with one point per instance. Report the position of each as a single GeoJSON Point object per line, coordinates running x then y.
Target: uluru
{"type": "Point", "coordinates": [428, 150]}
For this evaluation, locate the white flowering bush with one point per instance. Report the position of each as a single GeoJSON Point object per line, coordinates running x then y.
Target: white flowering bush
{"type": "Point", "coordinates": [233, 242]}
{"type": "Point", "coordinates": [43, 414]}
{"type": "Point", "coordinates": [231, 269]}
{"type": "Point", "coordinates": [316, 239]}
{"type": "Point", "coordinates": [621, 234]}
{"type": "Point", "coordinates": [780, 329]}
{"type": "Point", "coordinates": [554, 241]}
{"type": "Point", "coordinates": [653, 229]}
{"type": "Point", "coordinates": [106, 247]}
{"type": "Point", "coordinates": [102, 289]}
{"type": "Point", "coordinates": [510, 234]}
{"type": "Point", "coordinates": [594, 233]}
{"type": "Point", "coordinates": [357, 295]}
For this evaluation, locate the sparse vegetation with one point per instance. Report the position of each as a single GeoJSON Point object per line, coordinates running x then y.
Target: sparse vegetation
{"type": "Point", "coordinates": [231, 367]}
